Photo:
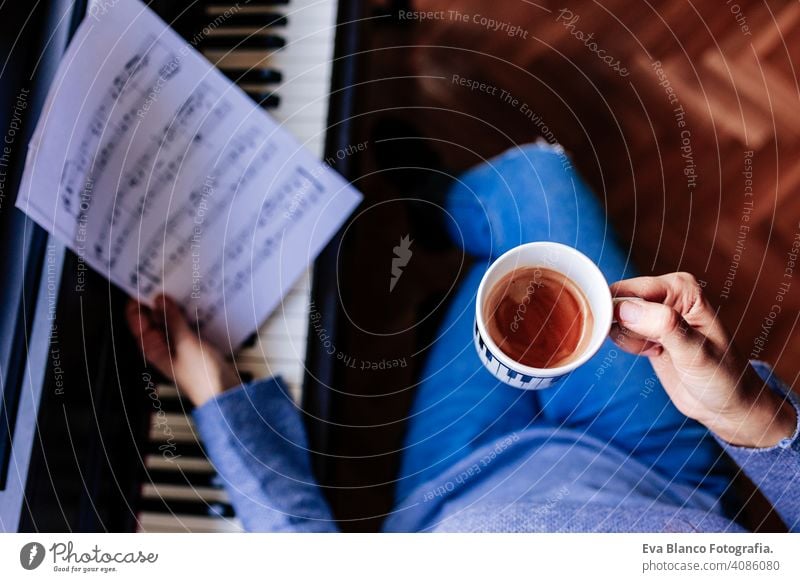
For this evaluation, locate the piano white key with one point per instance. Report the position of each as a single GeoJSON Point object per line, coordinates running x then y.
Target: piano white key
{"type": "Point", "coordinates": [166, 391]}
{"type": "Point", "coordinates": [186, 464]}
{"type": "Point", "coordinates": [184, 493]}
{"type": "Point", "coordinates": [151, 522]}
{"type": "Point", "coordinates": [175, 426]}
{"type": "Point", "coordinates": [282, 333]}
{"type": "Point", "coordinates": [294, 111]}
{"type": "Point", "coordinates": [303, 282]}
{"type": "Point", "coordinates": [274, 347]}
{"type": "Point", "coordinates": [292, 304]}
{"type": "Point", "coordinates": [288, 324]}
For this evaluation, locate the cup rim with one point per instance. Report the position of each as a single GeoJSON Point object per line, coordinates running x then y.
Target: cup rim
{"type": "Point", "coordinates": [603, 322]}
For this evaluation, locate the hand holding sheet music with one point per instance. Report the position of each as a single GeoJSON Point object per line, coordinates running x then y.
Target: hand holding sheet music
{"type": "Point", "coordinates": [164, 177]}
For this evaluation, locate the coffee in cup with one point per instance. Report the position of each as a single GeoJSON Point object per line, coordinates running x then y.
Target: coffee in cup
{"type": "Point", "coordinates": [538, 316]}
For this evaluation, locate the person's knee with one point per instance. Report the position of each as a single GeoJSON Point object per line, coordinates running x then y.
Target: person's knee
{"type": "Point", "coordinates": [509, 199]}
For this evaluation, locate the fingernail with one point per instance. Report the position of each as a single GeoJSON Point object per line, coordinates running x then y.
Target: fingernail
{"type": "Point", "coordinates": [653, 352]}
{"type": "Point", "coordinates": [629, 311]}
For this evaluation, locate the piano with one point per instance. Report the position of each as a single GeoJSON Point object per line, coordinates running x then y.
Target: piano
{"type": "Point", "coordinates": [281, 54]}
{"type": "Point", "coordinates": [90, 439]}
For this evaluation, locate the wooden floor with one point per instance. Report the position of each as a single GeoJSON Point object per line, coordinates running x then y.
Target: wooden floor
{"type": "Point", "coordinates": [690, 95]}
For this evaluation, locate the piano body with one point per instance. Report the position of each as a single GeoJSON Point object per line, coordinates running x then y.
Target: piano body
{"type": "Point", "coordinates": [91, 439]}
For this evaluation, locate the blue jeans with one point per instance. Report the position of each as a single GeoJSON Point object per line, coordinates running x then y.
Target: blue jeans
{"type": "Point", "coordinates": [528, 194]}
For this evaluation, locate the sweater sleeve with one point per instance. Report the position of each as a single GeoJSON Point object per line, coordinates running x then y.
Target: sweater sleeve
{"type": "Point", "coordinates": [775, 470]}
{"type": "Point", "coordinates": [254, 437]}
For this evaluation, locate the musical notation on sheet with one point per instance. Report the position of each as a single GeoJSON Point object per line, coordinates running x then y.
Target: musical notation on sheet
{"type": "Point", "coordinates": [165, 177]}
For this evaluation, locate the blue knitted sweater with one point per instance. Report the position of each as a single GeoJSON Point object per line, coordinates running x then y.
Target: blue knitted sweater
{"type": "Point", "coordinates": [538, 480]}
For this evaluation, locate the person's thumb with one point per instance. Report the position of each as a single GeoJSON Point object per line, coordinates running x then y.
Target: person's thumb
{"type": "Point", "coordinates": [178, 329]}
{"type": "Point", "coordinates": [659, 323]}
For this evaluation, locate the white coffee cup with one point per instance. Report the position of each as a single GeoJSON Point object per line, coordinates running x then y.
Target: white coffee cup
{"type": "Point", "coordinates": [574, 265]}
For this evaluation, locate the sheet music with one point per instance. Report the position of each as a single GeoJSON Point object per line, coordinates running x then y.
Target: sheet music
{"type": "Point", "coordinates": [164, 176]}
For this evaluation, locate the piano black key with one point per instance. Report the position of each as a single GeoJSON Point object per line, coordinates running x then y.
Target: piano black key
{"type": "Point", "coordinates": [252, 76]}
{"type": "Point", "coordinates": [188, 478]}
{"type": "Point", "coordinates": [266, 100]}
{"type": "Point", "coordinates": [185, 507]}
{"type": "Point", "coordinates": [255, 20]}
{"type": "Point", "coordinates": [213, 6]}
{"type": "Point", "coordinates": [252, 338]}
{"type": "Point", "coordinates": [191, 449]}
{"type": "Point", "coordinates": [176, 406]}
{"type": "Point", "coordinates": [239, 42]}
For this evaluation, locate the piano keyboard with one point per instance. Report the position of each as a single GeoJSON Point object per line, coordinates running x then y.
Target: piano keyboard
{"type": "Point", "coordinates": [280, 53]}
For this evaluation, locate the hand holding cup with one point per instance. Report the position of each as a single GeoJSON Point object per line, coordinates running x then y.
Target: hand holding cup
{"type": "Point", "coordinates": [674, 325]}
